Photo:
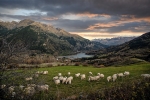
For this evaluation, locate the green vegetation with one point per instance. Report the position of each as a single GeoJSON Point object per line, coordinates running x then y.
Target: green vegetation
{"type": "Point", "coordinates": [46, 39]}
{"type": "Point", "coordinates": [78, 89]}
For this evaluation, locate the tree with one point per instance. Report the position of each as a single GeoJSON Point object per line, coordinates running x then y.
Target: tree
{"type": "Point", "coordinates": [9, 48]}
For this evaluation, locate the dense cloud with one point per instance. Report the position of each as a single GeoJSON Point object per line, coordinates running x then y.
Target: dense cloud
{"type": "Point", "coordinates": [122, 7]}
{"type": "Point", "coordinates": [82, 15]}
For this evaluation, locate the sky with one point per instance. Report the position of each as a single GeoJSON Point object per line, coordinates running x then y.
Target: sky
{"type": "Point", "coordinates": [91, 19]}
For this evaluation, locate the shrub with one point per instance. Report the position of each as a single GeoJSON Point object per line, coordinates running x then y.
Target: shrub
{"type": "Point", "coordinates": [13, 65]}
{"type": "Point", "coordinates": [101, 66]}
{"type": "Point", "coordinates": [85, 64]}
{"type": "Point", "coordinates": [76, 64]}
{"type": "Point", "coordinates": [49, 65]}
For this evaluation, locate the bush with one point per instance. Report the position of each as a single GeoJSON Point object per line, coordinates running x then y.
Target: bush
{"type": "Point", "coordinates": [13, 65]}
{"type": "Point", "coordinates": [85, 64]}
{"type": "Point", "coordinates": [76, 64]}
{"type": "Point", "coordinates": [49, 65]}
{"type": "Point", "coordinates": [33, 61]}
{"type": "Point", "coordinates": [132, 90]}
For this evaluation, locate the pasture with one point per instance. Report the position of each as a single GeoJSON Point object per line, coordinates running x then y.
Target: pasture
{"type": "Point", "coordinates": [78, 87]}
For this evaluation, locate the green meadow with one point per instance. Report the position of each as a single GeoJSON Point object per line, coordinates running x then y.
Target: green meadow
{"type": "Point", "coordinates": [77, 87]}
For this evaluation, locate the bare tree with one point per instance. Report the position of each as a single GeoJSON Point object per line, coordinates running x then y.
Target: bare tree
{"type": "Point", "coordinates": [8, 50]}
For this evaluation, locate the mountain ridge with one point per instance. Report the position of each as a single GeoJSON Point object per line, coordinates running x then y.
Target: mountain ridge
{"type": "Point", "coordinates": [46, 38]}
{"type": "Point", "coordinates": [129, 52]}
{"type": "Point", "coordinates": [114, 41]}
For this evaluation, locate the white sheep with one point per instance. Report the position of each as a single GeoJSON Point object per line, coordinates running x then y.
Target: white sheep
{"type": "Point", "coordinates": [77, 75]}
{"type": "Point", "coordinates": [64, 80]}
{"type": "Point", "coordinates": [114, 77]}
{"type": "Point", "coordinates": [120, 74]}
{"type": "Point", "coordinates": [45, 72]}
{"type": "Point", "coordinates": [28, 78]}
{"type": "Point", "coordinates": [97, 77]}
{"type": "Point", "coordinates": [69, 73]}
{"type": "Point", "coordinates": [31, 85]}
{"type": "Point", "coordinates": [90, 73]}
{"type": "Point", "coordinates": [91, 78]}
{"type": "Point", "coordinates": [61, 78]}
{"type": "Point", "coordinates": [109, 78]}
{"type": "Point", "coordinates": [43, 87]}
{"type": "Point", "coordinates": [59, 74]}
{"type": "Point", "coordinates": [126, 73]}
{"type": "Point", "coordinates": [29, 90]}
{"type": "Point", "coordinates": [57, 81]}
{"type": "Point", "coordinates": [11, 89]}
{"type": "Point", "coordinates": [101, 75]}
{"type": "Point", "coordinates": [145, 75]}
{"type": "Point", "coordinates": [55, 78]}
{"type": "Point", "coordinates": [69, 79]}
{"type": "Point", "coordinates": [21, 87]}
{"type": "Point", "coordinates": [83, 76]}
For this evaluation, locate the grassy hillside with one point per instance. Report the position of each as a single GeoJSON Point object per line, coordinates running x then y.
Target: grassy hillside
{"type": "Point", "coordinates": [78, 88]}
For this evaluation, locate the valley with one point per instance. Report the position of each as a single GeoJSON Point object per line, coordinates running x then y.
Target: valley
{"type": "Point", "coordinates": [29, 48]}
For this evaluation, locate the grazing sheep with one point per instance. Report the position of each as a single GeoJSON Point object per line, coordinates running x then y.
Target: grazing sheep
{"type": "Point", "coordinates": [57, 81]}
{"type": "Point", "coordinates": [114, 77]}
{"type": "Point", "coordinates": [77, 75]}
{"type": "Point", "coordinates": [61, 78]}
{"type": "Point", "coordinates": [90, 73]}
{"type": "Point", "coordinates": [43, 87]}
{"type": "Point", "coordinates": [69, 79]}
{"type": "Point", "coordinates": [120, 75]}
{"type": "Point", "coordinates": [92, 78]}
{"type": "Point", "coordinates": [28, 78]}
{"type": "Point", "coordinates": [55, 78]}
{"type": "Point", "coordinates": [45, 72]}
{"type": "Point", "coordinates": [64, 80]}
{"type": "Point", "coordinates": [59, 74]}
{"type": "Point", "coordinates": [29, 90]}
{"type": "Point", "coordinates": [145, 75]}
{"type": "Point", "coordinates": [69, 73]}
{"type": "Point", "coordinates": [97, 77]}
{"type": "Point", "coordinates": [126, 73]}
{"type": "Point", "coordinates": [109, 78]}
{"type": "Point", "coordinates": [11, 89]}
{"type": "Point", "coordinates": [101, 75]}
{"type": "Point", "coordinates": [31, 85]}
{"type": "Point", "coordinates": [21, 87]}
{"type": "Point", "coordinates": [83, 76]}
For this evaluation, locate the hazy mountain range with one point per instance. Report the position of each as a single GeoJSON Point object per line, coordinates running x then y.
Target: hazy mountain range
{"type": "Point", "coordinates": [114, 41]}
{"type": "Point", "coordinates": [46, 38]}
{"type": "Point", "coordinates": [126, 53]}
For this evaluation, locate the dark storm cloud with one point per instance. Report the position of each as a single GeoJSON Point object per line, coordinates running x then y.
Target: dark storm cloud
{"type": "Point", "coordinates": [94, 15]}
{"type": "Point", "coordinates": [56, 7]}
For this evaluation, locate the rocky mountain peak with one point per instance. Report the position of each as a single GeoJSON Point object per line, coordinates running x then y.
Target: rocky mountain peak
{"type": "Point", "coordinates": [25, 22]}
